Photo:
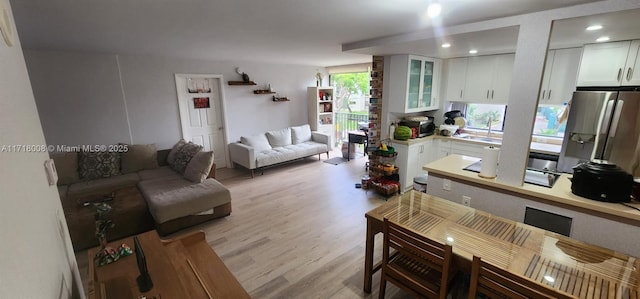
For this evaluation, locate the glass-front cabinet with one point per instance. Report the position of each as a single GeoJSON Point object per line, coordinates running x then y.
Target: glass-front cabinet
{"type": "Point", "coordinates": [413, 82]}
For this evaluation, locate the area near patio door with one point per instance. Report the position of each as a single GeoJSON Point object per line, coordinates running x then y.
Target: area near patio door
{"type": "Point", "coordinates": [200, 100]}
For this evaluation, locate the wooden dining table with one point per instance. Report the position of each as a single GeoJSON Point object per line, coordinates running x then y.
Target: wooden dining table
{"type": "Point", "coordinates": [563, 263]}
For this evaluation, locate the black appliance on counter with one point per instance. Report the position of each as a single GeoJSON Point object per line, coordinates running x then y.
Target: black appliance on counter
{"type": "Point", "coordinates": [450, 116]}
{"type": "Point", "coordinates": [602, 181]}
{"type": "Point", "coordinates": [422, 124]}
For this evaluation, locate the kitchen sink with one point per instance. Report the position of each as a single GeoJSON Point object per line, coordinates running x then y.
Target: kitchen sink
{"type": "Point", "coordinates": [483, 138]}
{"type": "Point", "coordinates": [531, 176]}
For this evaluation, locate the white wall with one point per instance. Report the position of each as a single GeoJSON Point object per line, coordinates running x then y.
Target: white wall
{"type": "Point", "coordinates": [148, 95]}
{"type": "Point", "coordinates": [36, 259]}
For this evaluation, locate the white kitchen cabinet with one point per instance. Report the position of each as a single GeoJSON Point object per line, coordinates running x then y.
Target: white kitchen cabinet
{"type": "Point", "coordinates": [610, 64]}
{"type": "Point", "coordinates": [560, 73]}
{"type": "Point", "coordinates": [410, 160]}
{"type": "Point", "coordinates": [467, 149]}
{"type": "Point", "coordinates": [456, 75]}
{"type": "Point", "coordinates": [443, 148]}
{"type": "Point", "coordinates": [413, 83]}
{"type": "Point", "coordinates": [632, 74]}
{"type": "Point", "coordinates": [488, 79]}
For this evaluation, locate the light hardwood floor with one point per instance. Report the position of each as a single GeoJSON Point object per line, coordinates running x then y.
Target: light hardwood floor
{"type": "Point", "coordinates": [298, 231]}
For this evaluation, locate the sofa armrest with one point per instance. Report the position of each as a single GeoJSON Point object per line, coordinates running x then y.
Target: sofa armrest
{"type": "Point", "coordinates": [242, 154]}
{"type": "Point", "coordinates": [321, 138]}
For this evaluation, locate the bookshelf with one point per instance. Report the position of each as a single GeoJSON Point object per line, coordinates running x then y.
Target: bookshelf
{"type": "Point", "coordinates": [321, 110]}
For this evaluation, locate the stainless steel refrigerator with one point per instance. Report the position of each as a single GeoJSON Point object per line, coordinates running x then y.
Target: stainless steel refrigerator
{"type": "Point", "coordinates": [603, 125]}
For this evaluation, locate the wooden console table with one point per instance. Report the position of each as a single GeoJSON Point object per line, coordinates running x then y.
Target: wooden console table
{"type": "Point", "coordinates": [186, 267]}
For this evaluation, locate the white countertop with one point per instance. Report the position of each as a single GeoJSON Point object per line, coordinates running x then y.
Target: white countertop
{"type": "Point", "coordinates": [545, 148]}
{"type": "Point", "coordinates": [452, 167]}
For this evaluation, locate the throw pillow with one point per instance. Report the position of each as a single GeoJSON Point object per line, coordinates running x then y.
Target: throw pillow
{"type": "Point", "coordinates": [258, 142]}
{"type": "Point", "coordinates": [67, 167]}
{"type": "Point", "coordinates": [279, 138]}
{"type": "Point", "coordinates": [174, 151]}
{"type": "Point", "coordinates": [301, 134]}
{"type": "Point", "coordinates": [97, 165]}
{"type": "Point", "coordinates": [198, 168]}
{"type": "Point", "coordinates": [184, 156]}
{"type": "Point", "coordinates": [139, 157]}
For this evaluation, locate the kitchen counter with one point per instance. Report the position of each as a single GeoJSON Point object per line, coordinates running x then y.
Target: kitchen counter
{"type": "Point", "coordinates": [544, 148]}
{"type": "Point", "coordinates": [560, 194]}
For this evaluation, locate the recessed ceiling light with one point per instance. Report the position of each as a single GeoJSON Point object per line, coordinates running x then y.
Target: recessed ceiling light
{"type": "Point", "coordinates": [473, 51]}
{"type": "Point", "coordinates": [594, 27]}
{"type": "Point", "coordinates": [602, 39]}
{"type": "Point", "coordinates": [434, 10]}
{"type": "Point", "coordinates": [446, 45]}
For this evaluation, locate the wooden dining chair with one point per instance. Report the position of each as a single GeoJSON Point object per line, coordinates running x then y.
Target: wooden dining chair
{"type": "Point", "coordinates": [494, 282]}
{"type": "Point", "coordinates": [418, 264]}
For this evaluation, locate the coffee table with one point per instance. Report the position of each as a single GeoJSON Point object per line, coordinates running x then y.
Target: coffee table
{"type": "Point", "coordinates": [130, 216]}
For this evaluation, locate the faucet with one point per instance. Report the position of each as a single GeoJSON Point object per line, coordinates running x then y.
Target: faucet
{"type": "Point", "coordinates": [489, 126]}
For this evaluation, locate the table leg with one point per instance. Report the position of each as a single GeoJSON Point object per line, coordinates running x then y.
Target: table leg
{"type": "Point", "coordinates": [368, 257]}
{"type": "Point", "coordinates": [348, 148]}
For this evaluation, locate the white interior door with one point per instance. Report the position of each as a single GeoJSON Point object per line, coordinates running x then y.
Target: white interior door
{"type": "Point", "coordinates": [200, 100]}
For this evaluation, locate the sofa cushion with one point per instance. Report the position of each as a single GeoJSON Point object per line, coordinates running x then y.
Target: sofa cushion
{"type": "Point", "coordinates": [258, 142]}
{"type": "Point", "coordinates": [138, 157]}
{"type": "Point", "coordinates": [158, 173]}
{"type": "Point", "coordinates": [96, 165]}
{"type": "Point", "coordinates": [300, 134]}
{"type": "Point", "coordinates": [276, 155]}
{"type": "Point", "coordinates": [184, 156]}
{"type": "Point", "coordinates": [66, 167]}
{"type": "Point", "coordinates": [174, 151]}
{"type": "Point", "coordinates": [103, 185]}
{"type": "Point", "coordinates": [173, 198]}
{"type": "Point", "coordinates": [198, 168]}
{"type": "Point", "coordinates": [279, 138]}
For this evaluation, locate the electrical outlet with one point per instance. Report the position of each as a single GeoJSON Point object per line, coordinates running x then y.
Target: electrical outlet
{"type": "Point", "coordinates": [466, 200]}
{"type": "Point", "coordinates": [446, 184]}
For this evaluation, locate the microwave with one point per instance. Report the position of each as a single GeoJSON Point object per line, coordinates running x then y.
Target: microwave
{"type": "Point", "coordinates": [423, 127]}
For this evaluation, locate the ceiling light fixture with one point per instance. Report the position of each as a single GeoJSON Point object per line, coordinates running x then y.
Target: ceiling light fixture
{"type": "Point", "coordinates": [434, 10]}
{"type": "Point", "coordinates": [446, 45]}
{"type": "Point", "coordinates": [474, 51]}
{"type": "Point", "coordinates": [594, 27]}
{"type": "Point", "coordinates": [602, 39]}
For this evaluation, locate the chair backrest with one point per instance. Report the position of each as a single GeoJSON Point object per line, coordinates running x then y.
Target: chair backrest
{"type": "Point", "coordinates": [495, 282]}
{"type": "Point", "coordinates": [435, 255]}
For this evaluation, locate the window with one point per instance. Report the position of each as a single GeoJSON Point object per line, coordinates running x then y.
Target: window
{"type": "Point", "coordinates": [478, 116]}
{"type": "Point", "coordinates": [550, 121]}
{"type": "Point", "coordinates": [351, 101]}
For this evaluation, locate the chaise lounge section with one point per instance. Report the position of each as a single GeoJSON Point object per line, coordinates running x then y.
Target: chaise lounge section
{"type": "Point", "coordinates": [170, 197]}
{"type": "Point", "coordinates": [276, 147]}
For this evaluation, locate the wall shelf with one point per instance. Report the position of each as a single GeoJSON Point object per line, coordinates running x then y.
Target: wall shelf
{"type": "Point", "coordinates": [280, 99]}
{"type": "Point", "coordinates": [263, 91]}
{"type": "Point", "coordinates": [241, 83]}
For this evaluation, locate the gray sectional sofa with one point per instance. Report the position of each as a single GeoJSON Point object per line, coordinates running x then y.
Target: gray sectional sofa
{"type": "Point", "coordinates": [275, 147]}
{"type": "Point", "coordinates": [175, 199]}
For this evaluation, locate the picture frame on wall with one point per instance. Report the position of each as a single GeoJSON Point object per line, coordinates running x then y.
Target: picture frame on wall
{"type": "Point", "coordinates": [200, 103]}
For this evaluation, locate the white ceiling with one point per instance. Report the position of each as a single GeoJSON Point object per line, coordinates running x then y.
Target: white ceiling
{"type": "Point", "coordinates": [279, 31]}
{"type": "Point", "coordinates": [565, 33]}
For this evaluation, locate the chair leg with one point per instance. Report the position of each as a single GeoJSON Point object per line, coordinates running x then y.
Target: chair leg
{"type": "Point", "coordinates": [383, 287]}
{"type": "Point", "coordinates": [251, 173]}
{"type": "Point", "coordinates": [318, 157]}
{"type": "Point", "coordinates": [327, 155]}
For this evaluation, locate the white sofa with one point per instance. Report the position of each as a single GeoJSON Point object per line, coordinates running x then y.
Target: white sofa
{"type": "Point", "coordinates": [275, 147]}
